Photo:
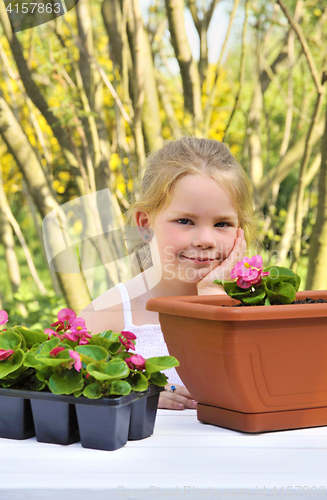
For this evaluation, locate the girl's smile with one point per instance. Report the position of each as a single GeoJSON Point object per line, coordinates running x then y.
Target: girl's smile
{"type": "Point", "coordinates": [197, 260]}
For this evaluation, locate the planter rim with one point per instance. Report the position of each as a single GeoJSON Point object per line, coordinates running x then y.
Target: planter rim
{"type": "Point", "coordinates": [211, 307]}
{"type": "Point", "coordinates": [63, 398]}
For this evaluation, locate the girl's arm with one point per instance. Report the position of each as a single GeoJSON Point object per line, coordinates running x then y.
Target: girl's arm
{"type": "Point", "coordinates": [222, 271]}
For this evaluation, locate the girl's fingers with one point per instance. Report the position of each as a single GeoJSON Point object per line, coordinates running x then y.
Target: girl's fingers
{"type": "Point", "coordinates": [234, 257]}
{"type": "Point", "coordinates": [173, 401]}
{"type": "Point", "coordinates": [238, 250]}
{"type": "Point", "coordinates": [168, 404]}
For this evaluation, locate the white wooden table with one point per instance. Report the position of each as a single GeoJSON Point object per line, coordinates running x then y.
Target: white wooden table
{"type": "Point", "coordinates": [183, 459]}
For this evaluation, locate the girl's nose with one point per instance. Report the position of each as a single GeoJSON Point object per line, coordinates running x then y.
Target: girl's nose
{"type": "Point", "coordinates": [204, 239]}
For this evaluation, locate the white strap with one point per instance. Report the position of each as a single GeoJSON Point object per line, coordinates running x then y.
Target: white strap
{"type": "Point", "coordinates": [126, 304]}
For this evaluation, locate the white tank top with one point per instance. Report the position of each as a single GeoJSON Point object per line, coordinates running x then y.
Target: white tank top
{"type": "Point", "coordinates": [149, 341]}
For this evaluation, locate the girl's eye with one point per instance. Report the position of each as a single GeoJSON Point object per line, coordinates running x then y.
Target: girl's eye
{"type": "Point", "coordinates": [222, 224]}
{"type": "Point", "coordinates": [184, 221]}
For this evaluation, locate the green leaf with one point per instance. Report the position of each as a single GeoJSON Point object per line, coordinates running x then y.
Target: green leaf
{"type": "Point", "coordinates": [139, 382]}
{"type": "Point", "coordinates": [255, 298]}
{"type": "Point", "coordinates": [122, 355]}
{"type": "Point", "coordinates": [120, 387]}
{"type": "Point", "coordinates": [49, 360]}
{"type": "Point", "coordinates": [47, 346]}
{"type": "Point", "coordinates": [158, 378]}
{"type": "Point", "coordinates": [114, 347]}
{"type": "Point", "coordinates": [218, 282]}
{"type": "Point", "coordinates": [78, 393]}
{"type": "Point", "coordinates": [281, 285]}
{"type": "Point", "coordinates": [12, 363]}
{"type": "Point", "coordinates": [107, 334]}
{"type": "Point", "coordinates": [30, 361]}
{"type": "Point", "coordinates": [66, 383]}
{"type": "Point", "coordinates": [91, 353]}
{"type": "Point", "coordinates": [35, 384]}
{"type": "Point", "coordinates": [44, 373]}
{"type": "Point", "coordinates": [100, 341]}
{"type": "Point", "coordinates": [32, 337]}
{"type": "Point", "coordinates": [95, 371]}
{"type": "Point", "coordinates": [283, 294]}
{"type": "Point", "coordinates": [159, 363]}
{"type": "Point", "coordinates": [10, 340]}
{"type": "Point", "coordinates": [282, 274]}
{"type": "Point", "coordinates": [115, 369]}
{"type": "Point", "coordinates": [93, 391]}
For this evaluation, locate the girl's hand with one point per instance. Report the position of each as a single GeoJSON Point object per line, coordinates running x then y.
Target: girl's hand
{"type": "Point", "coordinates": [222, 271]}
{"type": "Point", "coordinates": [177, 400]}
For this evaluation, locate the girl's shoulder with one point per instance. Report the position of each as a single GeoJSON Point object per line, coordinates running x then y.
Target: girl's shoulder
{"type": "Point", "coordinates": [105, 312]}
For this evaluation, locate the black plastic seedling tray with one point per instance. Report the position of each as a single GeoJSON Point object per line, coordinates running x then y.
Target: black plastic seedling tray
{"type": "Point", "coordinates": [105, 423]}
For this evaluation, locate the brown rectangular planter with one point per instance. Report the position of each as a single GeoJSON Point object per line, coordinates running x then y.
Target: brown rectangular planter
{"type": "Point", "coordinates": [253, 368]}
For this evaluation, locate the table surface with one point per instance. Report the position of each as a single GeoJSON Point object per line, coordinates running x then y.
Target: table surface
{"type": "Point", "coordinates": [184, 458]}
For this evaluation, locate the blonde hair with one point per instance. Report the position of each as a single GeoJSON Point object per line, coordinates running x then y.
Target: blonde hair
{"type": "Point", "coordinates": [191, 156]}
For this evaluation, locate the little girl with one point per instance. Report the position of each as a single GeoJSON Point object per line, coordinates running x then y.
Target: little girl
{"type": "Point", "coordinates": [196, 213]}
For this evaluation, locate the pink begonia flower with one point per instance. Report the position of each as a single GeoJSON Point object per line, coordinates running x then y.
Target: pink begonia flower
{"type": "Point", "coordinates": [3, 317]}
{"type": "Point", "coordinates": [77, 358]}
{"type": "Point", "coordinates": [128, 344]}
{"type": "Point", "coordinates": [60, 326]}
{"type": "Point", "coordinates": [49, 331]}
{"type": "Point", "coordinates": [56, 351]}
{"type": "Point", "coordinates": [136, 361]}
{"type": "Point", "coordinates": [83, 341]}
{"type": "Point", "coordinates": [248, 271]}
{"type": "Point", "coordinates": [5, 354]}
{"type": "Point", "coordinates": [78, 326]}
{"type": "Point", "coordinates": [126, 338]}
{"type": "Point", "coordinates": [128, 335]}
{"type": "Point", "coordinates": [66, 315]}
{"type": "Point", "coordinates": [78, 331]}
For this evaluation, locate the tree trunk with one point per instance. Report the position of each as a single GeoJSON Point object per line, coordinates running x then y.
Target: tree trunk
{"type": "Point", "coordinates": [72, 284]}
{"type": "Point", "coordinates": [317, 266]}
{"type": "Point", "coordinates": [7, 239]}
{"type": "Point", "coordinates": [288, 231]}
{"type": "Point", "coordinates": [189, 71]}
{"type": "Point", "coordinates": [37, 224]}
{"type": "Point", "coordinates": [301, 183]}
{"type": "Point", "coordinates": [151, 112]}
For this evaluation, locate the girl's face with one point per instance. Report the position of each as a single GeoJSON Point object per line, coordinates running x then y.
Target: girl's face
{"type": "Point", "coordinates": [196, 231]}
